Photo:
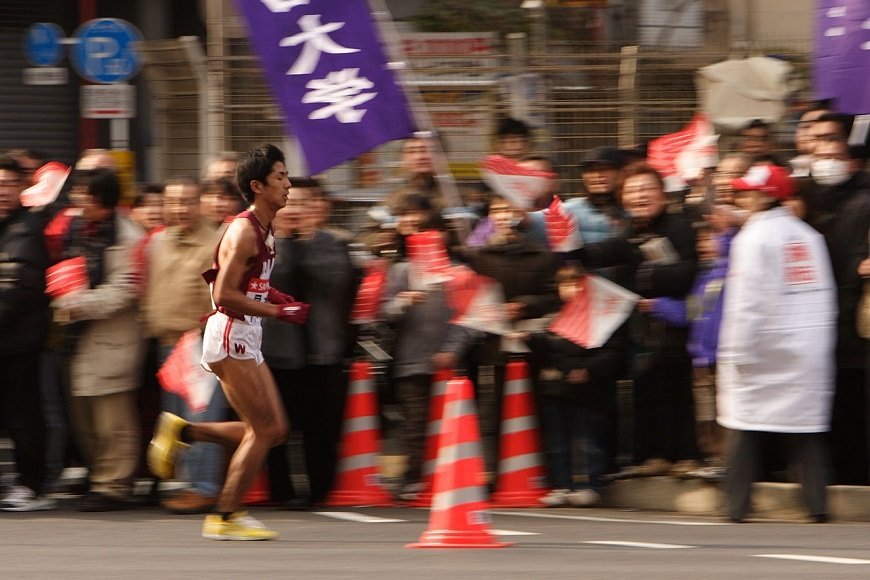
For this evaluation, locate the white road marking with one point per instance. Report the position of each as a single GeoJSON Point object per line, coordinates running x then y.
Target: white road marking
{"type": "Point", "coordinates": [822, 559]}
{"type": "Point", "coordinates": [357, 517]}
{"type": "Point", "coordinates": [639, 545]}
{"type": "Point", "coordinates": [366, 519]}
{"type": "Point", "coordinates": [601, 519]}
{"type": "Point", "coordinates": [513, 533]}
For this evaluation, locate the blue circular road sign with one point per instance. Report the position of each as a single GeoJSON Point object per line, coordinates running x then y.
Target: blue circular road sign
{"type": "Point", "coordinates": [42, 44]}
{"type": "Point", "coordinates": [104, 50]}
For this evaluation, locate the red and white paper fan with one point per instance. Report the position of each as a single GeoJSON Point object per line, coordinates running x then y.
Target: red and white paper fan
{"type": "Point", "coordinates": [428, 257]}
{"type": "Point", "coordinates": [67, 277]}
{"type": "Point", "coordinates": [48, 181]}
{"type": "Point", "coordinates": [183, 375]}
{"type": "Point", "coordinates": [477, 301]}
{"type": "Point", "coordinates": [562, 232]}
{"type": "Point", "coordinates": [682, 155]}
{"type": "Point", "coordinates": [521, 186]}
{"type": "Point", "coordinates": [371, 290]}
{"type": "Point", "coordinates": [598, 309]}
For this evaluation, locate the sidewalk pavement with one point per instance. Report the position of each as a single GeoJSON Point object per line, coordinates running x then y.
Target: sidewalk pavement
{"type": "Point", "coordinates": [771, 501]}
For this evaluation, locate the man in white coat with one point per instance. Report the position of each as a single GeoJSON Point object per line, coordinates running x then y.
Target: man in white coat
{"type": "Point", "coordinates": [776, 348]}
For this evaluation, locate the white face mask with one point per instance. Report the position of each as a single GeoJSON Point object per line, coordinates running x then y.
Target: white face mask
{"type": "Point", "coordinates": [830, 171]}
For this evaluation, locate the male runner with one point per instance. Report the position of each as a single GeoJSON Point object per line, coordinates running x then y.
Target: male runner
{"type": "Point", "coordinates": [231, 349]}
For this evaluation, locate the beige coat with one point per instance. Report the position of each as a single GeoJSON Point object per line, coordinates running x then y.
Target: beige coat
{"type": "Point", "coordinates": [109, 353]}
{"type": "Point", "coordinates": [176, 297]}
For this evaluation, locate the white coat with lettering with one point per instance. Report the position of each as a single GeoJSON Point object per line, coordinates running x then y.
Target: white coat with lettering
{"type": "Point", "coordinates": [776, 346]}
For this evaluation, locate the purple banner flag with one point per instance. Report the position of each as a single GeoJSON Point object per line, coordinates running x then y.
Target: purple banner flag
{"type": "Point", "coordinates": [841, 65]}
{"type": "Point", "coordinates": [324, 62]}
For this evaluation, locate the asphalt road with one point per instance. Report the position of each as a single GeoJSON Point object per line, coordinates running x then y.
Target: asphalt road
{"type": "Point", "coordinates": [548, 544]}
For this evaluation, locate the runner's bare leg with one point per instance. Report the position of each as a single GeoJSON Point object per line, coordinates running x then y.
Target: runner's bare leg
{"type": "Point", "coordinates": [226, 433]}
{"type": "Point", "coordinates": [251, 391]}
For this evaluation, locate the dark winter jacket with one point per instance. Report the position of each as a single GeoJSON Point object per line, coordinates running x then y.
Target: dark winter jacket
{"type": "Point", "coordinates": [603, 365]}
{"type": "Point", "coordinates": [842, 214]}
{"type": "Point", "coordinates": [651, 279]}
{"type": "Point", "coordinates": [317, 271]}
{"type": "Point", "coordinates": [284, 344]}
{"type": "Point", "coordinates": [23, 303]}
{"type": "Point", "coordinates": [526, 272]}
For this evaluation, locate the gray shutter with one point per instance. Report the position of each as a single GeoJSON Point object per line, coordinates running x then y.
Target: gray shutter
{"type": "Point", "coordinates": [44, 118]}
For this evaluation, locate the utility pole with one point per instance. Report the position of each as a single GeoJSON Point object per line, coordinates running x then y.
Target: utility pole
{"type": "Point", "coordinates": [717, 25]}
{"type": "Point", "coordinates": [537, 12]}
{"type": "Point", "coordinates": [749, 21]}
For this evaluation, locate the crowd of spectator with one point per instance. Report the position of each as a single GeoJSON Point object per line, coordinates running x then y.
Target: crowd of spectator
{"type": "Point", "coordinates": [77, 371]}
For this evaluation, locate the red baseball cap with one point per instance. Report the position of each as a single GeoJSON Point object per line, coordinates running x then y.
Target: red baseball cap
{"type": "Point", "coordinates": [772, 180]}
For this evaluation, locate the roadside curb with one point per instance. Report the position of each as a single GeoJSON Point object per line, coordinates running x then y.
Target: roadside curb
{"type": "Point", "coordinates": [775, 501]}
{"type": "Point", "coordinates": [770, 500]}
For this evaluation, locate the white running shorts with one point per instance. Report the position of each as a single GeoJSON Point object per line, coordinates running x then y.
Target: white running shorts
{"type": "Point", "coordinates": [230, 337]}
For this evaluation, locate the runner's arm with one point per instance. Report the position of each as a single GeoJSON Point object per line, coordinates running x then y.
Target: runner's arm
{"type": "Point", "coordinates": [237, 250]}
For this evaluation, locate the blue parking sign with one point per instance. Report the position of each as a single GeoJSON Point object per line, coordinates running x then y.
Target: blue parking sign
{"type": "Point", "coordinates": [42, 44]}
{"type": "Point", "coordinates": [104, 50]}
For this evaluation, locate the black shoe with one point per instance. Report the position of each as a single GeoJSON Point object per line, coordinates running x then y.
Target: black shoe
{"type": "Point", "coordinates": [100, 502]}
{"type": "Point", "coordinates": [71, 488]}
{"type": "Point", "coordinates": [297, 504]}
{"type": "Point", "coordinates": [819, 518]}
{"type": "Point", "coordinates": [412, 491]}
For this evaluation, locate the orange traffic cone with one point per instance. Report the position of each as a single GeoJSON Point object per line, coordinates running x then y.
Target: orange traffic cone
{"type": "Point", "coordinates": [433, 429]}
{"type": "Point", "coordinates": [357, 482]}
{"type": "Point", "coordinates": [258, 493]}
{"type": "Point", "coordinates": [458, 518]}
{"type": "Point", "coordinates": [521, 475]}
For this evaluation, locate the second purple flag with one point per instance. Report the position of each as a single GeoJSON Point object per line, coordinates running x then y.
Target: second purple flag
{"type": "Point", "coordinates": [842, 54]}
{"type": "Point", "coordinates": [325, 64]}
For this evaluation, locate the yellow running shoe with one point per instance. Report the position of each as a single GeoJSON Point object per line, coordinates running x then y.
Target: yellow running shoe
{"type": "Point", "coordinates": [166, 445]}
{"type": "Point", "coordinates": [239, 526]}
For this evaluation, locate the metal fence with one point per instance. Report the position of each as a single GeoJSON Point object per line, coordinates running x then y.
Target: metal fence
{"type": "Point", "coordinates": [627, 98]}
{"type": "Point", "coordinates": [583, 99]}
{"type": "Point", "coordinates": [576, 96]}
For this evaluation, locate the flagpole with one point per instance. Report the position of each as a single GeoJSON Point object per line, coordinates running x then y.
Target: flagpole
{"type": "Point", "coordinates": [399, 64]}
